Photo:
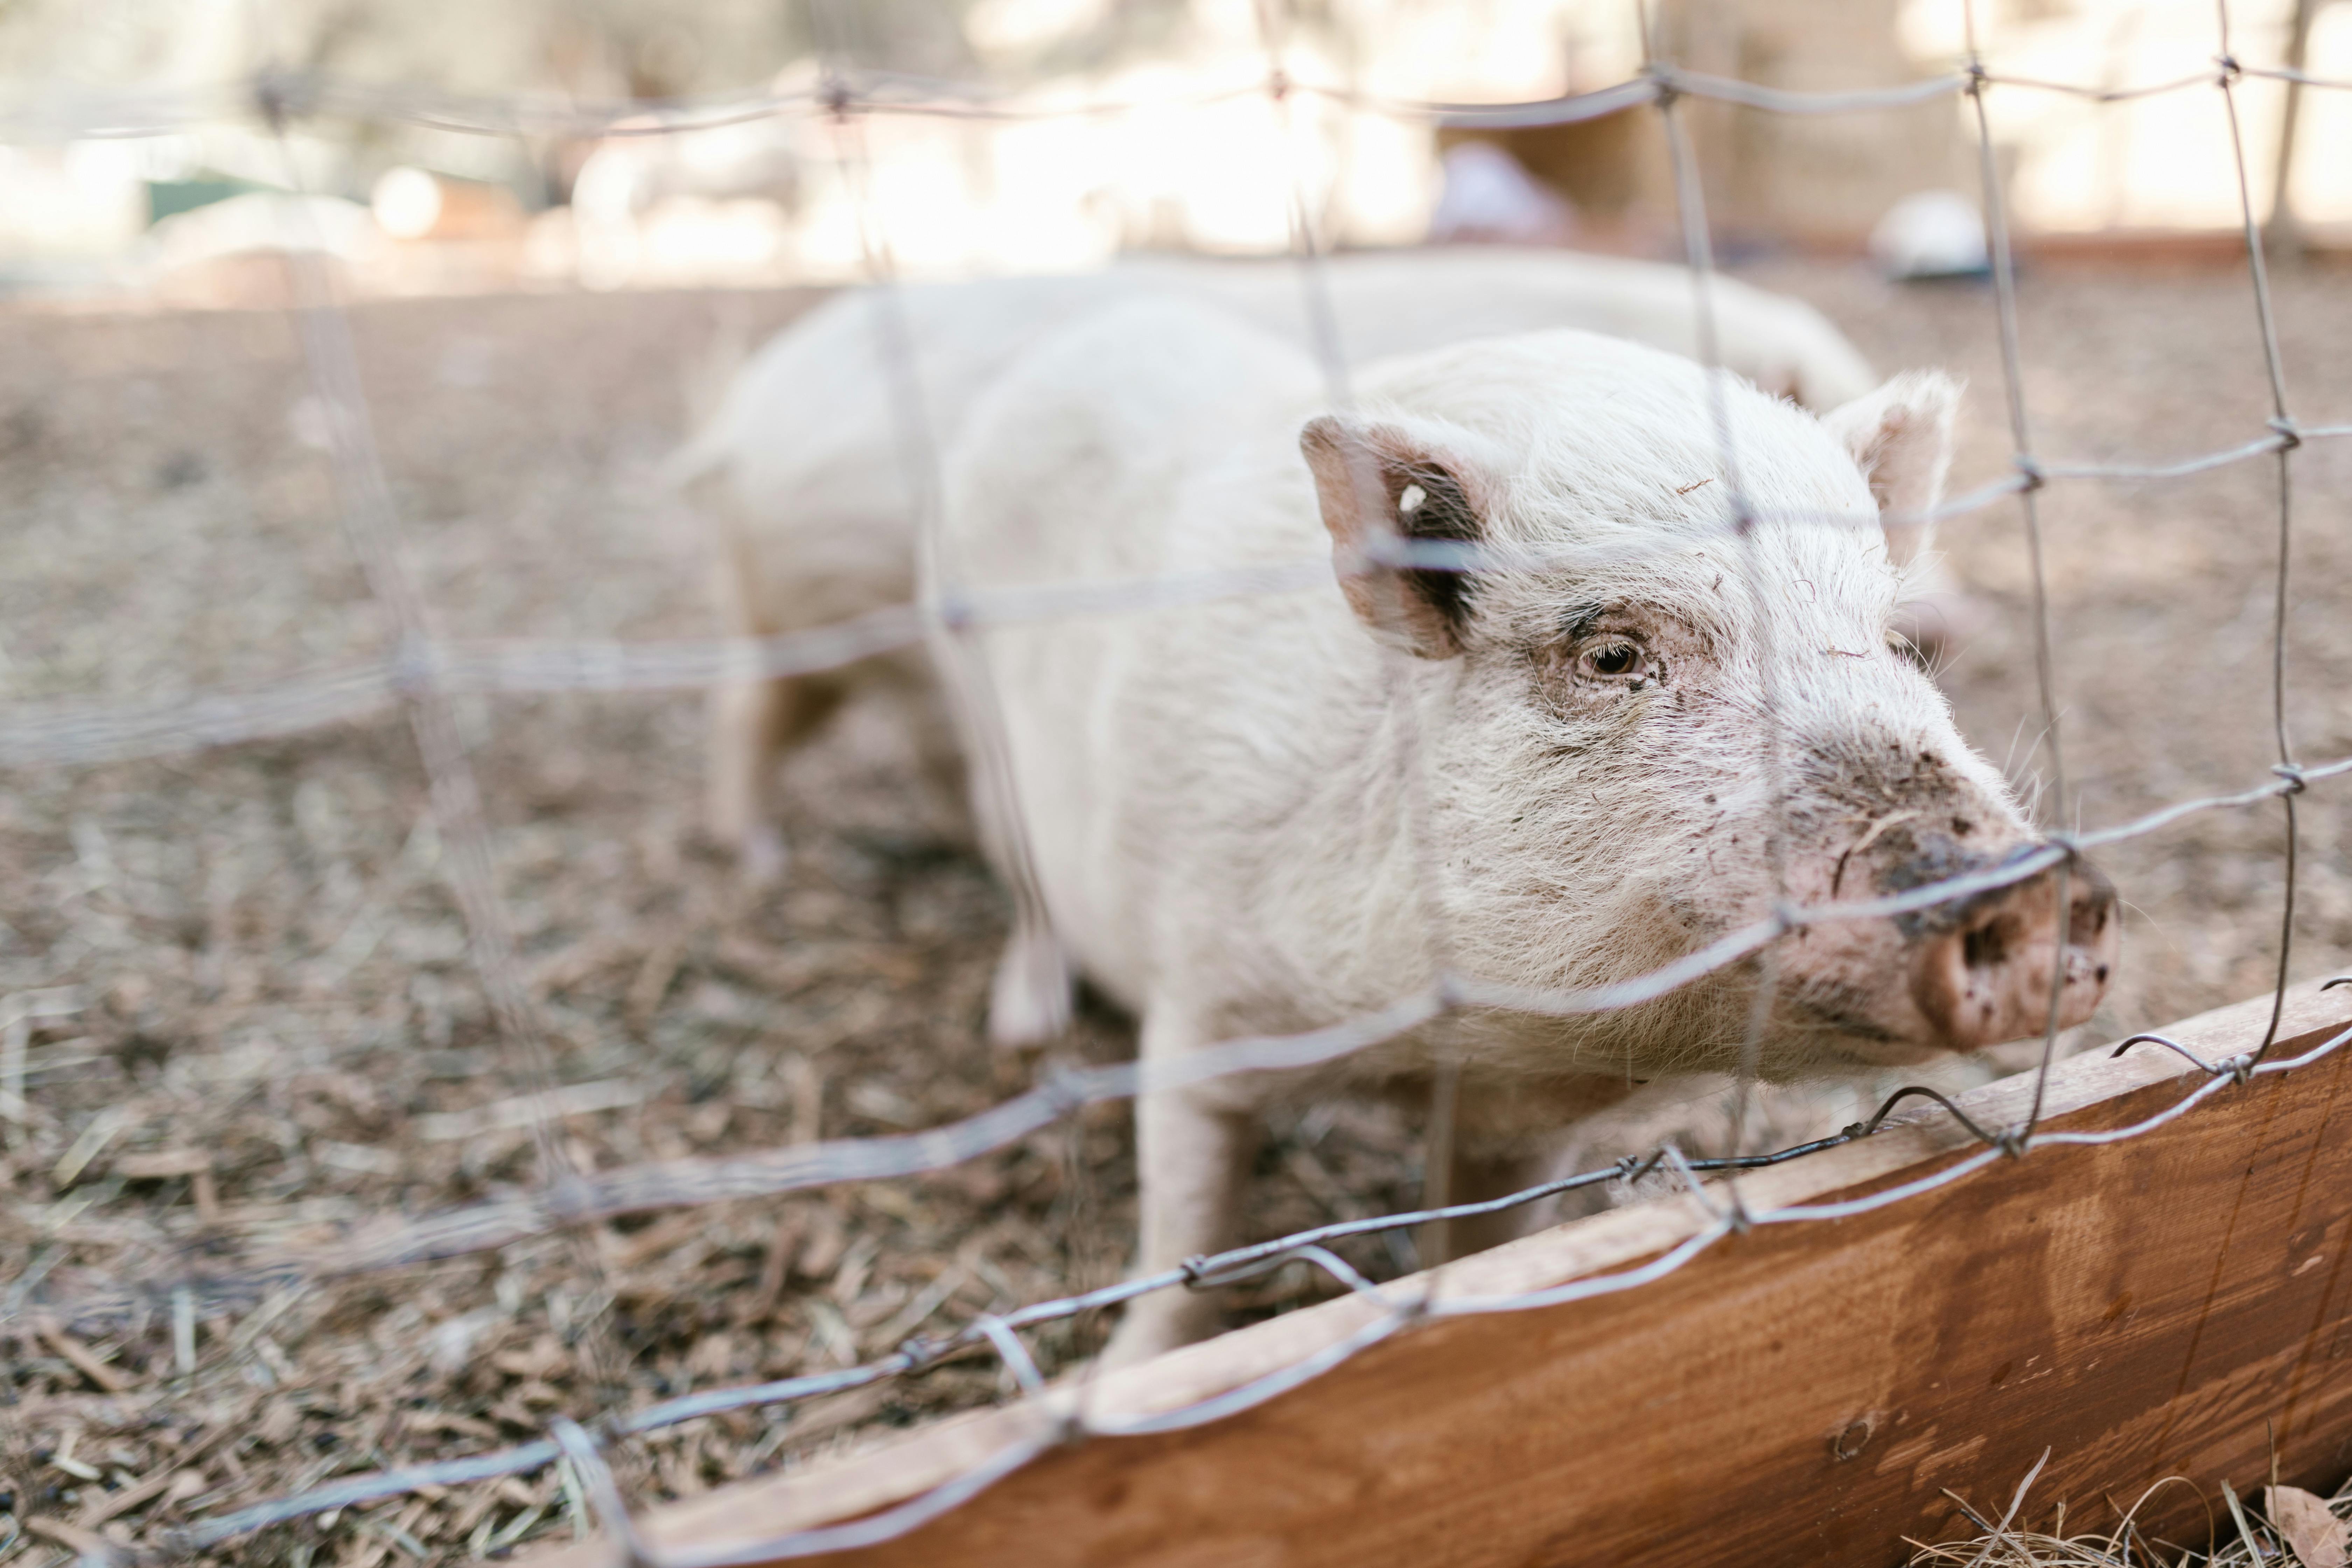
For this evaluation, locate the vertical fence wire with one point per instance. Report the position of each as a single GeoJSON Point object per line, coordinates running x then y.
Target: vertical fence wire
{"type": "Point", "coordinates": [370, 522]}
{"type": "Point", "coordinates": [1698, 258]}
{"type": "Point", "coordinates": [955, 639]}
{"type": "Point", "coordinates": [2004, 282]}
{"type": "Point", "coordinates": [2282, 423]}
{"type": "Point", "coordinates": [1368, 497]}
{"type": "Point", "coordinates": [956, 643]}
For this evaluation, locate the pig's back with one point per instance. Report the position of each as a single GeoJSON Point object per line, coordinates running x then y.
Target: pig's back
{"type": "Point", "coordinates": [1160, 438]}
{"type": "Point", "coordinates": [1074, 464]}
{"type": "Point", "coordinates": [808, 442]}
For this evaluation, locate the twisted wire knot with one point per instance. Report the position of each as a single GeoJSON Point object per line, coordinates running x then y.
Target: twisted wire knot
{"type": "Point", "coordinates": [923, 1349]}
{"type": "Point", "coordinates": [412, 665]}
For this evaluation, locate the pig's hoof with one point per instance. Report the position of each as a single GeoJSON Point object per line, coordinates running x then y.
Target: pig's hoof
{"type": "Point", "coordinates": [762, 856]}
{"type": "Point", "coordinates": [1029, 1002]}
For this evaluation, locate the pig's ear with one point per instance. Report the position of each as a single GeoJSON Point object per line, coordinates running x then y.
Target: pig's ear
{"type": "Point", "coordinates": [1380, 483]}
{"type": "Point", "coordinates": [1901, 437]}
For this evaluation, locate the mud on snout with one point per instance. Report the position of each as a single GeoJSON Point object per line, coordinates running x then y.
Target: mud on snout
{"type": "Point", "coordinates": [1988, 969]}
{"type": "Point", "coordinates": [1977, 971]}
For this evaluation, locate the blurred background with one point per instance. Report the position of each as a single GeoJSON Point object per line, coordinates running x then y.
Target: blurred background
{"type": "Point", "coordinates": [416, 210]}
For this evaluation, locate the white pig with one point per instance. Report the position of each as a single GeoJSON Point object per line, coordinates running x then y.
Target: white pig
{"type": "Point", "coordinates": [1269, 814]}
{"type": "Point", "coordinates": [803, 462]}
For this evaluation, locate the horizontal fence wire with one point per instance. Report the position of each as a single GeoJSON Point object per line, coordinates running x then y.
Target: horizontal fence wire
{"type": "Point", "coordinates": [423, 673]}
{"type": "Point", "coordinates": [685, 1183]}
{"type": "Point", "coordinates": [50, 115]}
{"type": "Point", "coordinates": [1402, 1311]}
{"type": "Point", "coordinates": [84, 731]}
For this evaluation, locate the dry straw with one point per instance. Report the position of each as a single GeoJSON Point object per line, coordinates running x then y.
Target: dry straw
{"type": "Point", "coordinates": [2292, 1528]}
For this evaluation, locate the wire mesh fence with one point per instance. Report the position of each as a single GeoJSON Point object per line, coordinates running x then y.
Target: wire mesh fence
{"type": "Point", "coordinates": [420, 674]}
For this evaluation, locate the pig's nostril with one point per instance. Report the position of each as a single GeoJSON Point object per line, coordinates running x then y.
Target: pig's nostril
{"type": "Point", "coordinates": [1986, 946]}
{"type": "Point", "coordinates": [2087, 920]}
{"type": "Point", "coordinates": [1991, 977]}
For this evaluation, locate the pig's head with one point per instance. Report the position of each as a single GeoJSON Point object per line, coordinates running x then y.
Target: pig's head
{"type": "Point", "coordinates": [1593, 710]}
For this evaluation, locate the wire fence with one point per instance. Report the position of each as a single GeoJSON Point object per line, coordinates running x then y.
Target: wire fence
{"type": "Point", "coordinates": [422, 675]}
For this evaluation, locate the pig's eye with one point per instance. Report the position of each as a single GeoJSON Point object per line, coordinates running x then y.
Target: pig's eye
{"type": "Point", "coordinates": [1613, 658]}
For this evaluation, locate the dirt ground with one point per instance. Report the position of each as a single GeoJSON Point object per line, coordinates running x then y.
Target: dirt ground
{"type": "Point", "coordinates": [282, 1037]}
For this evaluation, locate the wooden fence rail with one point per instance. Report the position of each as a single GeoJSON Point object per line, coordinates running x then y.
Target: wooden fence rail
{"type": "Point", "coordinates": [1798, 1395]}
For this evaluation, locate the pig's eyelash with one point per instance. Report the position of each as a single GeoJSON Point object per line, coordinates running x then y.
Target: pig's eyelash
{"type": "Point", "coordinates": [1579, 621]}
{"type": "Point", "coordinates": [1616, 658]}
{"type": "Point", "coordinates": [1598, 663]}
{"type": "Point", "coordinates": [1591, 651]}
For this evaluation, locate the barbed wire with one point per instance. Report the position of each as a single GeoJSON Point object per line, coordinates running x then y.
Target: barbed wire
{"type": "Point", "coordinates": [992, 1332]}
{"type": "Point", "coordinates": [690, 1182]}
{"type": "Point", "coordinates": [423, 674]}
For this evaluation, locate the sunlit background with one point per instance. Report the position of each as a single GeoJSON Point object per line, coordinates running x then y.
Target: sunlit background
{"type": "Point", "coordinates": [411, 210]}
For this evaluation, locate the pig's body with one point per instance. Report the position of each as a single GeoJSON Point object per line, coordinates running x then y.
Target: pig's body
{"type": "Point", "coordinates": [807, 464]}
{"type": "Point", "coordinates": [806, 431]}
{"type": "Point", "coordinates": [1266, 814]}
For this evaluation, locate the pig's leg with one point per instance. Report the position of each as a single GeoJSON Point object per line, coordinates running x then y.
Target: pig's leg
{"type": "Point", "coordinates": [1193, 1149]}
{"type": "Point", "coordinates": [751, 723]}
{"type": "Point", "coordinates": [1029, 1001]}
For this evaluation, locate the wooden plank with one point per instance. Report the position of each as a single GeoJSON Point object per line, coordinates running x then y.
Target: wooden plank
{"type": "Point", "coordinates": [1798, 1395]}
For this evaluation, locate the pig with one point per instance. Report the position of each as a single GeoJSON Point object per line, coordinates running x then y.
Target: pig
{"type": "Point", "coordinates": [801, 463]}
{"type": "Point", "coordinates": [1266, 814]}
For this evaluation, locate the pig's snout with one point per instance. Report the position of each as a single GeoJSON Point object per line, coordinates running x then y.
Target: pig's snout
{"type": "Point", "coordinates": [1988, 977]}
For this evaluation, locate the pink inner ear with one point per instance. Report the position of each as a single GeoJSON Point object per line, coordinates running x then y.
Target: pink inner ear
{"type": "Point", "coordinates": [1363, 473]}
{"type": "Point", "coordinates": [1908, 471]}
{"type": "Point", "coordinates": [1900, 437]}
{"type": "Point", "coordinates": [1872, 462]}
